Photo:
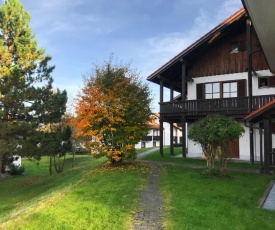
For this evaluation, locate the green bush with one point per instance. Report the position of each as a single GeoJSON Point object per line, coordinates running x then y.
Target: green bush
{"type": "Point", "coordinates": [16, 169]}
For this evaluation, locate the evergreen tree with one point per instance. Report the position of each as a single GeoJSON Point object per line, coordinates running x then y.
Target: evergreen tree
{"type": "Point", "coordinates": [27, 98]}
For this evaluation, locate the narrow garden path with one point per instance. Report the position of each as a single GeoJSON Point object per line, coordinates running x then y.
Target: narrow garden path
{"type": "Point", "coordinates": [149, 214]}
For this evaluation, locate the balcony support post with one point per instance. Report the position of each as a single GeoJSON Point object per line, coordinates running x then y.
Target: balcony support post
{"type": "Point", "coordinates": [183, 98]}
{"type": "Point", "coordinates": [171, 139]}
{"type": "Point", "coordinates": [171, 124]}
{"type": "Point", "coordinates": [267, 145]}
{"type": "Point", "coordinates": [261, 147]}
{"type": "Point", "coordinates": [249, 71]}
{"type": "Point", "coordinates": [160, 119]}
{"type": "Point", "coordinates": [183, 80]}
{"type": "Point", "coordinates": [183, 121]}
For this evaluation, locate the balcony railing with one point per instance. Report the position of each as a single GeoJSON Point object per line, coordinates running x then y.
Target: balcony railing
{"type": "Point", "coordinates": [151, 138]}
{"type": "Point", "coordinates": [224, 106]}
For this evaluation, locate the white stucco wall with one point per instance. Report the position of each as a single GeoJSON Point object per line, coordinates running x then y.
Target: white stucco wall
{"type": "Point", "coordinates": [244, 146]}
{"type": "Point", "coordinates": [148, 144]}
{"type": "Point", "coordinates": [192, 94]}
{"type": "Point", "coordinates": [194, 149]}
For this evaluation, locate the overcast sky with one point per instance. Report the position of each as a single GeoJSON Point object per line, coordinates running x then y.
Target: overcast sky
{"type": "Point", "coordinates": [146, 33]}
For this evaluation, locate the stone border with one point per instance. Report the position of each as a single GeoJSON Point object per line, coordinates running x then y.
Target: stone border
{"type": "Point", "coordinates": [266, 193]}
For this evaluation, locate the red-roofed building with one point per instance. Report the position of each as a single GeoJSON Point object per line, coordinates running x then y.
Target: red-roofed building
{"type": "Point", "coordinates": [224, 72]}
{"type": "Point", "coordinates": [153, 137]}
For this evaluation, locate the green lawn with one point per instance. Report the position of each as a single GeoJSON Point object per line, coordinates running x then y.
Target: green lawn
{"type": "Point", "coordinates": [143, 149]}
{"type": "Point", "coordinates": [95, 196]}
{"type": "Point", "coordinates": [79, 198]}
{"type": "Point", "coordinates": [194, 201]}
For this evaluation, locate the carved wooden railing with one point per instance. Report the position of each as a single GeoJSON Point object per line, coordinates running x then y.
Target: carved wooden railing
{"type": "Point", "coordinates": [224, 106]}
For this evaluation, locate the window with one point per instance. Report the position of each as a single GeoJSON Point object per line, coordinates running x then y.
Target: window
{"type": "Point", "coordinates": [224, 89]}
{"type": "Point", "coordinates": [212, 90]}
{"type": "Point", "coordinates": [234, 47]}
{"type": "Point", "coordinates": [263, 82]}
{"type": "Point", "coordinates": [266, 82]}
{"type": "Point", "coordinates": [238, 46]}
{"type": "Point", "coordinates": [155, 132]}
{"type": "Point", "coordinates": [230, 89]}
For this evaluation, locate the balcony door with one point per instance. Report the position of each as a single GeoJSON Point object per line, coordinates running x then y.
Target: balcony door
{"type": "Point", "coordinates": [234, 151]}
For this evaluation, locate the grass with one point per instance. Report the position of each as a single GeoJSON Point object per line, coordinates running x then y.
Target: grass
{"type": "Point", "coordinates": [155, 156]}
{"type": "Point", "coordinates": [93, 195]}
{"type": "Point", "coordinates": [194, 201]}
{"type": "Point", "coordinates": [86, 197]}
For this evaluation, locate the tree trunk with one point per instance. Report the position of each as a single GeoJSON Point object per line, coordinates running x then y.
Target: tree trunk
{"type": "Point", "coordinates": [50, 167]}
{"type": "Point", "coordinates": [1, 166]}
{"type": "Point", "coordinates": [73, 164]}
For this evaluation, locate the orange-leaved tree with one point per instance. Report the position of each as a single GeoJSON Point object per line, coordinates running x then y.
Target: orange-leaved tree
{"type": "Point", "coordinates": [112, 110]}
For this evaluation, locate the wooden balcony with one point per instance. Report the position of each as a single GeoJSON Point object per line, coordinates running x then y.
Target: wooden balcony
{"type": "Point", "coordinates": [194, 109]}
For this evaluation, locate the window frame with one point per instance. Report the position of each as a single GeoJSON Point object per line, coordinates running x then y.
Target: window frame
{"type": "Point", "coordinates": [241, 89]}
{"type": "Point", "coordinates": [230, 92]}
{"type": "Point", "coordinates": [269, 82]}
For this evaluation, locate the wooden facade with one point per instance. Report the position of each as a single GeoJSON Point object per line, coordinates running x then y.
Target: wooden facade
{"type": "Point", "coordinates": [212, 55]}
{"type": "Point", "coordinates": [219, 59]}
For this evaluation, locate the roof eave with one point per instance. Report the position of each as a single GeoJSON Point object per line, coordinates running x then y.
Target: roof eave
{"type": "Point", "coordinates": [195, 45]}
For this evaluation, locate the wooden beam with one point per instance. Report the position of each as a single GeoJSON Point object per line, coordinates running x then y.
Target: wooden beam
{"type": "Point", "coordinates": [160, 119]}
{"type": "Point", "coordinates": [161, 136]}
{"type": "Point", "coordinates": [183, 120]}
{"type": "Point", "coordinates": [267, 145]}
{"type": "Point", "coordinates": [183, 81]}
{"type": "Point", "coordinates": [171, 139]}
{"type": "Point", "coordinates": [249, 71]}
{"type": "Point", "coordinates": [183, 98]}
{"type": "Point", "coordinates": [171, 125]}
{"type": "Point", "coordinates": [161, 91]}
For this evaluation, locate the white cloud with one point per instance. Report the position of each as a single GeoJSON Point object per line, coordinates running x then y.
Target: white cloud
{"type": "Point", "coordinates": [228, 7]}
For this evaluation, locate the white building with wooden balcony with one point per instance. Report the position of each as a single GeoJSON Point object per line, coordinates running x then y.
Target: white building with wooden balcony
{"type": "Point", "coordinates": [153, 137]}
{"type": "Point", "coordinates": [225, 72]}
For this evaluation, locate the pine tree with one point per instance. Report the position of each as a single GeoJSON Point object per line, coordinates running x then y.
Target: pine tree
{"type": "Point", "coordinates": [25, 84]}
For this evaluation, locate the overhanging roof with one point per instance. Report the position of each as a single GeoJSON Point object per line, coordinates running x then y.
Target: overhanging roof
{"type": "Point", "coordinates": [262, 15]}
{"type": "Point", "coordinates": [257, 115]}
{"type": "Point", "coordinates": [173, 67]}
